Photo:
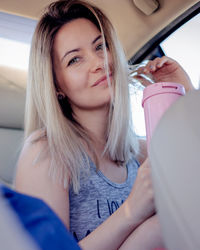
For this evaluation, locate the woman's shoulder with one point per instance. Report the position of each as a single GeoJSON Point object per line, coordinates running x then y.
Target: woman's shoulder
{"type": "Point", "coordinates": [34, 157]}
{"type": "Point", "coordinates": [34, 143]}
{"type": "Point", "coordinates": [36, 137]}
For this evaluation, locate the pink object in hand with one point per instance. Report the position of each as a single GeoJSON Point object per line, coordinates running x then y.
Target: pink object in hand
{"type": "Point", "coordinates": [157, 98]}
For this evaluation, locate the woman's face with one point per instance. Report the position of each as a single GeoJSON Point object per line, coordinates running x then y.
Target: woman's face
{"type": "Point", "coordinates": [79, 65]}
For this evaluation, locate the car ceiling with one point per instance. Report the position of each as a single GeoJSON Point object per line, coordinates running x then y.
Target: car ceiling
{"type": "Point", "coordinates": [134, 28]}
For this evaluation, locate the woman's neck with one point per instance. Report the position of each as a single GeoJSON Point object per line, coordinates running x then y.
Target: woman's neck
{"type": "Point", "coordinates": [95, 121]}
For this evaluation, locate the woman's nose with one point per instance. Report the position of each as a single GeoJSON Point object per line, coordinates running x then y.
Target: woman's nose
{"type": "Point", "coordinates": [97, 62]}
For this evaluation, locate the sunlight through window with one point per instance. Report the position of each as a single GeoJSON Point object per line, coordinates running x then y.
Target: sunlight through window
{"type": "Point", "coordinates": [14, 54]}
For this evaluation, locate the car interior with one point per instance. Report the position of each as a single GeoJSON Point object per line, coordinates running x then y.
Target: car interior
{"type": "Point", "coordinates": [142, 26]}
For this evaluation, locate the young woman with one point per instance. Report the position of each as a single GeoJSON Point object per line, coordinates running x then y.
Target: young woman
{"type": "Point", "coordinates": [80, 153]}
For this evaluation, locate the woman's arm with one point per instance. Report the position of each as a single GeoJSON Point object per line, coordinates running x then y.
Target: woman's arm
{"type": "Point", "coordinates": [142, 155]}
{"type": "Point", "coordinates": [33, 178]}
{"type": "Point", "coordinates": [147, 236]}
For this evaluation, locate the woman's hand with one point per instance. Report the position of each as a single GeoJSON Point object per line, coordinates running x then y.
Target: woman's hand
{"type": "Point", "coordinates": [165, 69]}
{"type": "Point", "coordinates": [141, 198]}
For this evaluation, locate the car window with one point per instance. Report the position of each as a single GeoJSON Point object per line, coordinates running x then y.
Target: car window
{"type": "Point", "coordinates": [15, 38]}
{"type": "Point", "coordinates": [14, 54]}
{"type": "Point", "coordinates": [184, 46]}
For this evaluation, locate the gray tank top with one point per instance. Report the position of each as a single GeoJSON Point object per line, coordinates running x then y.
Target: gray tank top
{"type": "Point", "coordinates": [97, 199]}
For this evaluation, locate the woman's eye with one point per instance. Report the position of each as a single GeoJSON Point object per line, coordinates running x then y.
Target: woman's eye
{"type": "Point", "coordinates": [73, 60]}
{"type": "Point", "coordinates": [99, 47]}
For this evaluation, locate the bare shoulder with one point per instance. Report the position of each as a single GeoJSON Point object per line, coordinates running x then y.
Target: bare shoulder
{"type": "Point", "coordinates": [37, 140]}
{"type": "Point", "coordinates": [32, 176]}
{"type": "Point", "coordinates": [32, 149]}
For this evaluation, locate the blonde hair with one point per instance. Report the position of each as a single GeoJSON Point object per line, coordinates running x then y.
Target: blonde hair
{"type": "Point", "coordinates": [43, 110]}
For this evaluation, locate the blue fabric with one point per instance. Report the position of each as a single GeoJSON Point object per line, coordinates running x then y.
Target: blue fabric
{"type": "Point", "coordinates": [40, 221]}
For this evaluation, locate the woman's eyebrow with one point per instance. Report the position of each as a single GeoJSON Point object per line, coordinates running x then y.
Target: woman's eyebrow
{"type": "Point", "coordinates": [68, 52]}
{"type": "Point", "coordinates": [78, 49]}
{"type": "Point", "coordinates": [97, 38]}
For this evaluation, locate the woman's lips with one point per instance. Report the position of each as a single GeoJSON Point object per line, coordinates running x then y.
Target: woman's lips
{"type": "Point", "coordinates": [101, 80]}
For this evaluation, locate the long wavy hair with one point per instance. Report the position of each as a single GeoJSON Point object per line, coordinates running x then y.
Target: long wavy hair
{"type": "Point", "coordinates": [45, 112]}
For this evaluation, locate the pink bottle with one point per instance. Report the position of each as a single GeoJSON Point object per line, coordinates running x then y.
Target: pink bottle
{"type": "Point", "coordinates": [157, 98]}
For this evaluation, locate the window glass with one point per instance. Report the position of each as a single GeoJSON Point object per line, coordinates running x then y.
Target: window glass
{"type": "Point", "coordinates": [15, 38]}
{"type": "Point", "coordinates": [14, 54]}
{"type": "Point", "coordinates": [184, 46]}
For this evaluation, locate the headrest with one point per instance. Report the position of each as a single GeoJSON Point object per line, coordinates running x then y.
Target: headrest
{"type": "Point", "coordinates": [175, 157]}
{"type": "Point", "coordinates": [12, 103]}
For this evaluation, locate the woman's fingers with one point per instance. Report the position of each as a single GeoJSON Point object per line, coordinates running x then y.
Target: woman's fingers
{"type": "Point", "coordinates": [156, 64]}
{"type": "Point", "coordinates": [165, 69]}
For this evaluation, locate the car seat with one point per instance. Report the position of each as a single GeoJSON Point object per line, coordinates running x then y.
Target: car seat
{"type": "Point", "coordinates": [12, 102]}
{"type": "Point", "coordinates": [175, 162]}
